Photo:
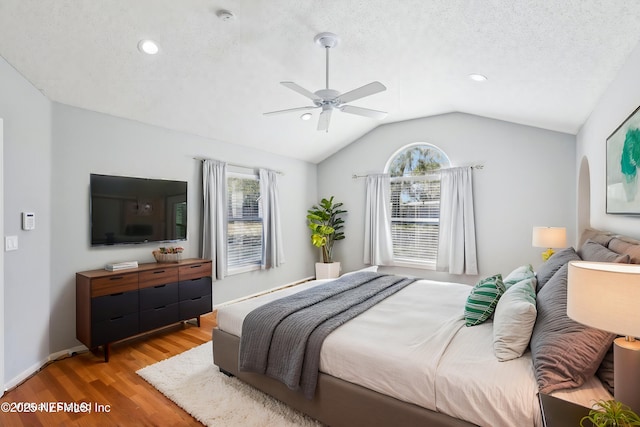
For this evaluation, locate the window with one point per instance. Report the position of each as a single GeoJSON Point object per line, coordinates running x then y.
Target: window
{"type": "Point", "coordinates": [415, 203]}
{"type": "Point", "coordinates": [244, 223]}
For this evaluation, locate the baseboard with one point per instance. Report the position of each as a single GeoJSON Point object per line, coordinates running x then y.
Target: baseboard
{"type": "Point", "coordinates": [36, 367]}
{"type": "Point", "coordinates": [268, 291]}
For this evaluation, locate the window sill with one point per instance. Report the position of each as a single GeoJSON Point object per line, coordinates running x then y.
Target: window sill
{"type": "Point", "coordinates": [241, 270]}
{"type": "Point", "coordinates": [412, 264]}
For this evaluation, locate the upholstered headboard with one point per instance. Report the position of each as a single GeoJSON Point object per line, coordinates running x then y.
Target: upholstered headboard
{"type": "Point", "coordinates": [617, 243]}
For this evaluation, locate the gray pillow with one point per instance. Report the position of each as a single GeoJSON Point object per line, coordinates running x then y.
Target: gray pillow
{"type": "Point", "coordinates": [592, 251]}
{"type": "Point", "coordinates": [565, 353]}
{"type": "Point", "coordinates": [553, 264]}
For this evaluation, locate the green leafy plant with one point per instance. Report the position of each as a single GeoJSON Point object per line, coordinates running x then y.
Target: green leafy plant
{"type": "Point", "coordinates": [611, 413]}
{"type": "Point", "coordinates": [325, 222]}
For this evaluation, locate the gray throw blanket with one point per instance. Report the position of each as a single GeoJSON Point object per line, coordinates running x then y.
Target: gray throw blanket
{"type": "Point", "coordinates": [282, 339]}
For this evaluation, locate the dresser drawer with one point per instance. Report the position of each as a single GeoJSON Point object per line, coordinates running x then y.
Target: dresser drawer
{"type": "Point", "coordinates": [158, 296]}
{"type": "Point", "coordinates": [194, 271]}
{"type": "Point", "coordinates": [113, 284]}
{"type": "Point", "coordinates": [114, 329]}
{"type": "Point", "coordinates": [195, 307]}
{"type": "Point", "coordinates": [158, 276]}
{"type": "Point", "coordinates": [158, 317]}
{"type": "Point", "coordinates": [195, 288]}
{"type": "Point", "coordinates": [114, 305]}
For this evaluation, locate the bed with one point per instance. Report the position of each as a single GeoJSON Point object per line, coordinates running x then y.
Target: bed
{"type": "Point", "coordinates": [401, 364]}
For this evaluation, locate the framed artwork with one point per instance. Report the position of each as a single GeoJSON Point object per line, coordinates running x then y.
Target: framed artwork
{"type": "Point", "coordinates": [623, 161]}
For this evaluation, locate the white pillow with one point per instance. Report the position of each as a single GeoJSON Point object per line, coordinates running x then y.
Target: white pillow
{"type": "Point", "coordinates": [514, 319]}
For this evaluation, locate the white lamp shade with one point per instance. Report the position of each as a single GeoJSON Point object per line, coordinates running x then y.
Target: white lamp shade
{"type": "Point", "coordinates": [549, 237]}
{"type": "Point", "coordinates": [605, 296]}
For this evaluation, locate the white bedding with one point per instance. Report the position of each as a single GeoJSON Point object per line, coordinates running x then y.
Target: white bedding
{"type": "Point", "coordinates": [414, 346]}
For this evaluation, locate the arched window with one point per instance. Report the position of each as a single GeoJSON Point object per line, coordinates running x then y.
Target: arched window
{"type": "Point", "coordinates": [415, 203]}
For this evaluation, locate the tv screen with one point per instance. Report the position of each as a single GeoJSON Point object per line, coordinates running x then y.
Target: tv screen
{"type": "Point", "coordinates": [126, 210]}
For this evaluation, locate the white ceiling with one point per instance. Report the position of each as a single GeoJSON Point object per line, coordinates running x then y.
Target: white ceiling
{"type": "Point", "coordinates": [548, 61]}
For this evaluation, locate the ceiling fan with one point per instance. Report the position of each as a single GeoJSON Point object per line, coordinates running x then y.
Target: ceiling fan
{"type": "Point", "coordinates": [328, 99]}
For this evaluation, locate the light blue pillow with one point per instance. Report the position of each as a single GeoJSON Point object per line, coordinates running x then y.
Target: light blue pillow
{"type": "Point", "coordinates": [519, 274]}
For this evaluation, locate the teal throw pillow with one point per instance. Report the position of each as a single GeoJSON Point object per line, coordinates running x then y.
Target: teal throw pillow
{"type": "Point", "coordinates": [519, 274]}
{"type": "Point", "coordinates": [483, 299]}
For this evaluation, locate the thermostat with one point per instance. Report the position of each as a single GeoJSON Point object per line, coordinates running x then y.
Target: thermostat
{"type": "Point", "coordinates": [28, 220]}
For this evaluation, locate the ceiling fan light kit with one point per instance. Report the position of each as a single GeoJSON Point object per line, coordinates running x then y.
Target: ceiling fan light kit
{"type": "Point", "coordinates": [328, 99]}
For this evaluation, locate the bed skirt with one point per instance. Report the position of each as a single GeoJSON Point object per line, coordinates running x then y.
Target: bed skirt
{"type": "Point", "coordinates": [336, 403]}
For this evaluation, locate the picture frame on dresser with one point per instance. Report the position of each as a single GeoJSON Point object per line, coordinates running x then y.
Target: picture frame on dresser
{"type": "Point", "coordinates": [622, 161]}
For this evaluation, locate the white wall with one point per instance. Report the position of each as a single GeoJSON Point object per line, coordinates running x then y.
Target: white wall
{"type": "Point", "coordinates": [27, 187]}
{"type": "Point", "coordinates": [86, 142]}
{"type": "Point", "coordinates": [619, 100]}
{"type": "Point", "coordinates": [528, 180]}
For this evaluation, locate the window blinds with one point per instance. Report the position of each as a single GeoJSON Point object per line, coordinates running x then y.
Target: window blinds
{"type": "Point", "coordinates": [415, 218]}
{"type": "Point", "coordinates": [244, 229]}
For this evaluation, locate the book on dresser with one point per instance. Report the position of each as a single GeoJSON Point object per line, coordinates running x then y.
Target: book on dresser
{"type": "Point", "coordinates": [114, 305]}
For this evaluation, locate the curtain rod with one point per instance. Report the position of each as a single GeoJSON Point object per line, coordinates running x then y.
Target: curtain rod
{"type": "Point", "coordinates": [478, 166]}
{"type": "Point", "coordinates": [237, 165]}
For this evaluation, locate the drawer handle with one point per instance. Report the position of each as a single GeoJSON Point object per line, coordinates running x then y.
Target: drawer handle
{"type": "Point", "coordinates": [196, 266]}
{"type": "Point", "coordinates": [116, 318]}
{"type": "Point", "coordinates": [116, 278]}
{"type": "Point", "coordinates": [160, 308]}
{"type": "Point", "coordinates": [159, 286]}
{"type": "Point", "coordinates": [116, 295]}
{"type": "Point", "coordinates": [196, 299]}
{"type": "Point", "coordinates": [158, 272]}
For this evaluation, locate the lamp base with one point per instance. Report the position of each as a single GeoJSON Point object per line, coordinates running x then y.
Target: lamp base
{"type": "Point", "coordinates": [626, 374]}
{"type": "Point", "coordinates": [547, 254]}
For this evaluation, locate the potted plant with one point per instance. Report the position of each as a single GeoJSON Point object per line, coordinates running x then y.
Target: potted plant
{"type": "Point", "coordinates": [325, 222]}
{"type": "Point", "coordinates": [611, 413]}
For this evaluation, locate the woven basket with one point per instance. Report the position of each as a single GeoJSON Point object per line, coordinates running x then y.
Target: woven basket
{"type": "Point", "coordinates": [160, 257]}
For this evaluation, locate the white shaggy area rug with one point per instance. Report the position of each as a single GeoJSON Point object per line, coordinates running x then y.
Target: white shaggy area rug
{"type": "Point", "coordinates": [194, 383]}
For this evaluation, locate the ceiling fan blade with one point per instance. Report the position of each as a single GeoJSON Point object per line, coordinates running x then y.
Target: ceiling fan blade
{"type": "Point", "coordinates": [302, 91]}
{"type": "Point", "coordinates": [367, 112]}
{"type": "Point", "coordinates": [361, 92]}
{"type": "Point", "coordinates": [289, 110]}
{"type": "Point", "coordinates": [325, 117]}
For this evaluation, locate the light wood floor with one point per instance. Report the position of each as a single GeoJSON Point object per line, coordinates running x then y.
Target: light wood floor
{"type": "Point", "coordinates": [86, 378]}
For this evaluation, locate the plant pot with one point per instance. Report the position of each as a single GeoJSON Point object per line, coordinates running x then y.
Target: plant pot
{"type": "Point", "coordinates": [327, 270]}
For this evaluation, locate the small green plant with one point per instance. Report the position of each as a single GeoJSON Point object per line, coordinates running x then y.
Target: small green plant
{"type": "Point", "coordinates": [326, 224]}
{"type": "Point", "coordinates": [611, 413]}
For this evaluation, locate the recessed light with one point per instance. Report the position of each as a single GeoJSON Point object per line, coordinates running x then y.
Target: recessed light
{"type": "Point", "coordinates": [478, 77]}
{"type": "Point", "coordinates": [306, 116]}
{"type": "Point", "coordinates": [225, 15]}
{"type": "Point", "coordinates": [148, 46]}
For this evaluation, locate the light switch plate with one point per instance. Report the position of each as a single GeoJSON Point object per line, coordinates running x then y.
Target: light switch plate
{"type": "Point", "coordinates": [11, 243]}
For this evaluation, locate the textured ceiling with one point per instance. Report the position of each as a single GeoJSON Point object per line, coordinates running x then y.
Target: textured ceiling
{"type": "Point", "coordinates": [548, 61]}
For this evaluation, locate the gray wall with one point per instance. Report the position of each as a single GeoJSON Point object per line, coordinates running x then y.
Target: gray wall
{"type": "Point", "coordinates": [86, 142]}
{"type": "Point", "coordinates": [528, 180]}
{"type": "Point", "coordinates": [49, 151]}
{"type": "Point", "coordinates": [27, 187]}
{"type": "Point", "coordinates": [620, 99]}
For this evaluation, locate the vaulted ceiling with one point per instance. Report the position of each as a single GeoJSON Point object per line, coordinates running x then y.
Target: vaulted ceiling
{"type": "Point", "coordinates": [547, 61]}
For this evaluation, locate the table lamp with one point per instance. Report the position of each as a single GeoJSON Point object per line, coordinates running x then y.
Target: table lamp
{"type": "Point", "coordinates": [549, 237]}
{"type": "Point", "coordinates": [607, 296]}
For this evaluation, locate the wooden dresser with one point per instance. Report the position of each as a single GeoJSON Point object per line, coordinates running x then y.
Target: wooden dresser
{"type": "Point", "coordinates": [112, 306]}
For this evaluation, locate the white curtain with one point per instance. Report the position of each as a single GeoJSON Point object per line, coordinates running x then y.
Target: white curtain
{"type": "Point", "coordinates": [378, 246]}
{"type": "Point", "coordinates": [272, 252]}
{"type": "Point", "coordinates": [214, 225]}
{"type": "Point", "coordinates": [457, 241]}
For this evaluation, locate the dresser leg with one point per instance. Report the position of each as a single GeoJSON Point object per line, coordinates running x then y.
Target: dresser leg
{"type": "Point", "coordinates": [106, 352]}
{"type": "Point", "coordinates": [198, 321]}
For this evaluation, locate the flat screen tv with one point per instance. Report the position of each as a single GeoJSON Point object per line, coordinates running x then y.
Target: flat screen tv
{"type": "Point", "coordinates": [127, 210]}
